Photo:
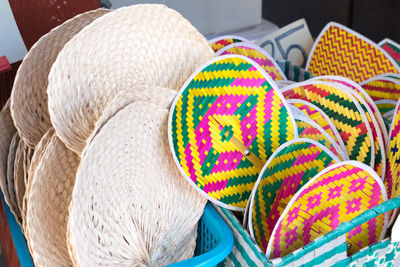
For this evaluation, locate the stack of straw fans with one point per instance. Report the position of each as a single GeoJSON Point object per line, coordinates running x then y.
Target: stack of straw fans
{"type": "Point", "coordinates": [122, 124]}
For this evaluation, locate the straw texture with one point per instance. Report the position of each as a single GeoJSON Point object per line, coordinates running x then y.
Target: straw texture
{"type": "Point", "coordinates": [130, 205]}
{"type": "Point", "coordinates": [7, 131]}
{"type": "Point", "coordinates": [140, 44]}
{"type": "Point", "coordinates": [160, 96]}
{"type": "Point", "coordinates": [28, 98]}
{"type": "Point", "coordinates": [12, 201]}
{"type": "Point", "coordinates": [35, 160]}
{"type": "Point", "coordinates": [22, 161]}
{"type": "Point", "coordinates": [48, 200]}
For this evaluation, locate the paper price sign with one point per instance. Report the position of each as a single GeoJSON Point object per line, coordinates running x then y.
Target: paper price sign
{"type": "Point", "coordinates": [293, 42]}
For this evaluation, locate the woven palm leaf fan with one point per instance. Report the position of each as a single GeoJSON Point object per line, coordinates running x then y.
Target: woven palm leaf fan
{"type": "Point", "coordinates": [153, 94]}
{"type": "Point", "coordinates": [28, 98]}
{"type": "Point", "coordinates": [385, 105]}
{"type": "Point", "coordinates": [130, 205]}
{"type": "Point", "coordinates": [382, 87]}
{"type": "Point", "coordinates": [140, 44]}
{"type": "Point", "coordinates": [226, 121]}
{"type": "Point", "coordinates": [337, 194]}
{"type": "Point", "coordinates": [35, 160]}
{"type": "Point", "coordinates": [290, 167]}
{"type": "Point", "coordinates": [379, 138]}
{"type": "Point", "coordinates": [259, 55]}
{"type": "Point", "coordinates": [7, 131]}
{"type": "Point", "coordinates": [344, 111]}
{"type": "Point", "coordinates": [47, 201]}
{"type": "Point", "coordinates": [373, 109]}
{"type": "Point", "coordinates": [23, 156]}
{"type": "Point", "coordinates": [12, 201]}
{"type": "Point", "coordinates": [339, 50]}
{"type": "Point", "coordinates": [310, 129]}
{"type": "Point", "coordinates": [392, 179]}
{"type": "Point", "coordinates": [318, 116]}
{"type": "Point", "coordinates": [221, 41]}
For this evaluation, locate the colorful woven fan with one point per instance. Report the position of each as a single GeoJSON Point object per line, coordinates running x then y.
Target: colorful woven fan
{"type": "Point", "coordinates": [318, 116]}
{"type": "Point", "coordinates": [385, 105]}
{"type": "Point", "coordinates": [380, 155]}
{"type": "Point", "coordinates": [392, 48]}
{"type": "Point", "coordinates": [382, 87]}
{"type": "Point", "coordinates": [222, 41]}
{"type": "Point", "coordinates": [257, 54]}
{"type": "Point", "coordinates": [309, 129]}
{"type": "Point", "coordinates": [337, 194]}
{"type": "Point", "coordinates": [344, 111]}
{"type": "Point", "coordinates": [339, 50]}
{"type": "Point", "coordinates": [224, 124]}
{"type": "Point", "coordinates": [392, 179]}
{"type": "Point", "coordinates": [291, 166]}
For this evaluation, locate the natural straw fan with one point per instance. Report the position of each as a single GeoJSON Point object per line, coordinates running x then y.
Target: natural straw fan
{"type": "Point", "coordinates": [7, 131]}
{"type": "Point", "coordinates": [28, 97]}
{"type": "Point", "coordinates": [22, 159]}
{"type": "Point", "coordinates": [36, 159]}
{"type": "Point", "coordinates": [130, 205]}
{"type": "Point", "coordinates": [12, 201]}
{"type": "Point", "coordinates": [48, 200]}
{"type": "Point", "coordinates": [152, 94]}
{"type": "Point", "coordinates": [139, 44]}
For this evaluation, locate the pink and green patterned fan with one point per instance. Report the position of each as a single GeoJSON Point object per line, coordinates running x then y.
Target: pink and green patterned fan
{"type": "Point", "coordinates": [225, 122]}
{"type": "Point", "coordinates": [337, 194]}
{"type": "Point", "coordinates": [392, 48]}
{"type": "Point", "coordinates": [291, 166]}
{"type": "Point", "coordinates": [392, 179]}
{"type": "Point", "coordinates": [222, 41]}
{"type": "Point", "coordinates": [344, 111]}
{"type": "Point", "coordinates": [257, 54]}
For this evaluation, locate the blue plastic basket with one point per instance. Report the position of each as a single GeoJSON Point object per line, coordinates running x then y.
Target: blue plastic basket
{"type": "Point", "coordinates": [214, 240]}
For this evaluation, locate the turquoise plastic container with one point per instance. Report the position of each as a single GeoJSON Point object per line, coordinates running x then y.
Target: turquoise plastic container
{"type": "Point", "coordinates": [214, 240]}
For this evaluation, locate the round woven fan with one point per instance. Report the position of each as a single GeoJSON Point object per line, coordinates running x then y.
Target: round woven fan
{"type": "Point", "coordinates": [392, 179]}
{"type": "Point", "coordinates": [47, 201]}
{"type": "Point", "coordinates": [225, 40]}
{"type": "Point", "coordinates": [361, 92]}
{"type": "Point", "coordinates": [259, 55]}
{"type": "Point", "coordinates": [7, 131]}
{"type": "Point", "coordinates": [160, 96]}
{"type": "Point", "coordinates": [23, 157]}
{"type": "Point", "coordinates": [12, 201]}
{"type": "Point", "coordinates": [337, 194]}
{"type": "Point", "coordinates": [139, 44]}
{"type": "Point", "coordinates": [381, 87]}
{"type": "Point", "coordinates": [130, 205]}
{"type": "Point", "coordinates": [344, 111]}
{"type": "Point", "coordinates": [290, 167]}
{"type": "Point", "coordinates": [28, 97]}
{"type": "Point", "coordinates": [309, 129]}
{"type": "Point", "coordinates": [35, 160]}
{"type": "Point", "coordinates": [379, 141]}
{"type": "Point", "coordinates": [224, 124]}
{"type": "Point", "coordinates": [318, 116]}
{"type": "Point", "coordinates": [385, 105]}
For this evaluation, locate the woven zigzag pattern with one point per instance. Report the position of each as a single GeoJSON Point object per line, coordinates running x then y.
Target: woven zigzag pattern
{"type": "Point", "coordinates": [393, 51]}
{"type": "Point", "coordinates": [290, 169]}
{"type": "Point", "coordinates": [268, 64]}
{"type": "Point", "coordinates": [307, 130]}
{"type": "Point", "coordinates": [317, 117]}
{"type": "Point", "coordinates": [334, 197]}
{"type": "Point", "coordinates": [218, 45]}
{"type": "Point", "coordinates": [382, 89]}
{"type": "Point", "coordinates": [339, 52]}
{"type": "Point", "coordinates": [343, 113]}
{"type": "Point", "coordinates": [228, 107]}
{"type": "Point", "coordinates": [392, 179]}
